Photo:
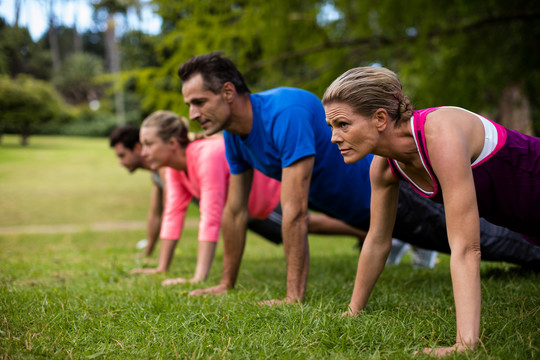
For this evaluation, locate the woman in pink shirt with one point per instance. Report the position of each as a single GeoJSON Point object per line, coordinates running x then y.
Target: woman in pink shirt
{"type": "Point", "coordinates": [195, 169]}
{"type": "Point", "coordinates": [198, 168]}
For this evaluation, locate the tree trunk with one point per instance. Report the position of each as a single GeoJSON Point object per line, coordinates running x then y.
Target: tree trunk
{"type": "Point", "coordinates": [515, 110]}
{"type": "Point", "coordinates": [113, 58]}
{"type": "Point", "coordinates": [53, 39]}
{"type": "Point", "coordinates": [25, 134]}
{"type": "Point", "coordinates": [18, 4]}
{"type": "Point", "coordinates": [77, 39]}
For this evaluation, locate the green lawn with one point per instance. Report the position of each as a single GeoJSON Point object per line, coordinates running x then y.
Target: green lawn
{"type": "Point", "coordinates": [68, 180]}
{"type": "Point", "coordinates": [66, 296]}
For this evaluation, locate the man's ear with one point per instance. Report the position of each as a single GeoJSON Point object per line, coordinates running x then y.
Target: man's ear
{"type": "Point", "coordinates": [228, 91]}
{"type": "Point", "coordinates": [137, 149]}
{"type": "Point", "coordinates": [381, 118]}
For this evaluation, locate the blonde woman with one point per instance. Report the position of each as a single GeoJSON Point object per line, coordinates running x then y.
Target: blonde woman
{"type": "Point", "coordinates": [471, 165]}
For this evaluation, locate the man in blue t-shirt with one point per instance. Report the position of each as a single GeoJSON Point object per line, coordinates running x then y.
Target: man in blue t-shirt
{"type": "Point", "coordinates": [283, 133]}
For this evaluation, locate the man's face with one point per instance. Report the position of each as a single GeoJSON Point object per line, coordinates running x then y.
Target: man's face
{"type": "Point", "coordinates": [210, 110]}
{"type": "Point", "coordinates": [131, 160]}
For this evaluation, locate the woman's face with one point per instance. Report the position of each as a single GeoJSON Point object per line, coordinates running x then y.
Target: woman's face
{"type": "Point", "coordinates": [157, 152]}
{"type": "Point", "coordinates": [355, 135]}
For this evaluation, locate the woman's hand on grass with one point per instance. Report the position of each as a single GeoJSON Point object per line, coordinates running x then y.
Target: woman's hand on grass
{"type": "Point", "coordinates": [443, 351]}
{"type": "Point", "coordinates": [274, 302]}
{"type": "Point", "coordinates": [146, 271]}
{"type": "Point", "coordinates": [174, 281]}
{"type": "Point", "coordinates": [214, 290]}
{"type": "Point", "coordinates": [351, 312]}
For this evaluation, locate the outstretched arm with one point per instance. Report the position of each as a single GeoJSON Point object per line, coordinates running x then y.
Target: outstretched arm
{"type": "Point", "coordinates": [384, 198]}
{"type": "Point", "coordinates": [295, 182]}
{"type": "Point", "coordinates": [205, 256]}
{"type": "Point", "coordinates": [153, 223]}
{"type": "Point", "coordinates": [234, 226]}
{"type": "Point", "coordinates": [323, 224]}
{"type": "Point", "coordinates": [454, 172]}
{"type": "Point", "coordinates": [176, 202]}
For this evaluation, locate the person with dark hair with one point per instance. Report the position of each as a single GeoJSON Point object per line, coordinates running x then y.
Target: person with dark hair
{"type": "Point", "coordinates": [283, 133]}
{"type": "Point", "coordinates": [127, 147]}
{"type": "Point", "coordinates": [472, 165]}
{"type": "Point", "coordinates": [196, 168]}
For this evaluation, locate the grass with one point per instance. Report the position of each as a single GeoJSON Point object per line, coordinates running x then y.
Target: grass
{"type": "Point", "coordinates": [66, 296]}
{"type": "Point", "coordinates": [68, 180]}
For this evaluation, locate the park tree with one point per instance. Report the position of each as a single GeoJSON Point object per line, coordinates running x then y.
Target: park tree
{"type": "Point", "coordinates": [469, 53]}
{"type": "Point", "coordinates": [250, 32]}
{"type": "Point", "coordinates": [27, 103]}
{"type": "Point", "coordinates": [475, 54]}
{"type": "Point", "coordinates": [111, 8]}
{"type": "Point", "coordinates": [19, 54]}
{"type": "Point", "coordinates": [54, 46]}
{"type": "Point", "coordinates": [77, 78]}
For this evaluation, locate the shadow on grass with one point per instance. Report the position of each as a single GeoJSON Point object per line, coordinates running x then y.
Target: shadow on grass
{"type": "Point", "coordinates": [508, 272]}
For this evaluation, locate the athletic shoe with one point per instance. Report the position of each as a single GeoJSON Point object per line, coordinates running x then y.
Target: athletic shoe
{"type": "Point", "coordinates": [141, 244]}
{"type": "Point", "coordinates": [423, 258]}
{"type": "Point", "coordinates": [399, 248]}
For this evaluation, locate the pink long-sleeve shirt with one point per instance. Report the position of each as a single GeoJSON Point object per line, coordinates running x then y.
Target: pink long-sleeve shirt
{"type": "Point", "coordinates": [207, 179]}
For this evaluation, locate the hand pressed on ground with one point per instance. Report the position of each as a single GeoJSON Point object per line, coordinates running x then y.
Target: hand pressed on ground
{"type": "Point", "coordinates": [214, 290]}
{"type": "Point", "coordinates": [146, 271]}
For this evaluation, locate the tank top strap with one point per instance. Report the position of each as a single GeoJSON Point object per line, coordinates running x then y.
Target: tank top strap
{"type": "Point", "coordinates": [396, 171]}
{"type": "Point", "coordinates": [418, 122]}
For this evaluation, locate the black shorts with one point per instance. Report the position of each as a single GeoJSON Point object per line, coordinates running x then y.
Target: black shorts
{"type": "Point", "coordinates": [269, 228]}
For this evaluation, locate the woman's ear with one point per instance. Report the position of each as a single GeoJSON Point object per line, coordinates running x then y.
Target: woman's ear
{"type": "Point", "coordinates": [381, 118]}
{"type": "Point", "coordinates": [173, 142]}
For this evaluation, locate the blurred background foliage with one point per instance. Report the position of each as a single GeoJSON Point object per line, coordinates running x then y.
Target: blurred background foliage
{"type": "Point", "coordinates": [479, 54]}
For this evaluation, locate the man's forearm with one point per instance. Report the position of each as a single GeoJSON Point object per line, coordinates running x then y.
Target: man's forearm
{"type": "Point", "coordinates": [153, 227]}
{"type": "Point", "coordinates": [296, 245]}
{"type": "Point", "coordinates": [234, 239]}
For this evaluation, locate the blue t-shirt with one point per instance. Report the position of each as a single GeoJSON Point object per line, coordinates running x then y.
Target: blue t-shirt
{"type": "Point", "coordinates": [289, 124]}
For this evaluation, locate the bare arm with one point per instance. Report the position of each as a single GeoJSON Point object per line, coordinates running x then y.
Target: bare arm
{"type": "Point", "coordinates": [205, 256]}
{"type": "Point", "coordinates": [167, 245]}
{"type": "Point", "coordinates": [384, 198]}
{"type": "Point", "coordinates": [234, 227]}
{"type": "Point", "coordinates": [153, 223]}
{"type": "Point", "coordinates": [463, 225]}
{"type": "Point", "coordinates": [295, 182]}
{"type": "Point", "coordinates": [320, 223]}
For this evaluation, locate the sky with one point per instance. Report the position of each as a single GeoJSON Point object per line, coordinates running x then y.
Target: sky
{"type": "Point", "coordinates": [34, 16]}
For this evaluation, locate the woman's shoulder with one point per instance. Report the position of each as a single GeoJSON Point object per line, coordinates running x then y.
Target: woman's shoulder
{"type": "Point", "coordinates": [208, 145]}
{"type": "Point", "coordinates": [381, 173]}
{"type": "Point", "coordinates": [206, 153]}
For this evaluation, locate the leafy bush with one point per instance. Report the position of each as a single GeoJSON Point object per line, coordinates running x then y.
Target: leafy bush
{"type": "Point", "coordinates": [28, 104]}
{"type": "Point", "coordinates": [86, 123]}
{"type": "Point", "coordinates": [75, 80]}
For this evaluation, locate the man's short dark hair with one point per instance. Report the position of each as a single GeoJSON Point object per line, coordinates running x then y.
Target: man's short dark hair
{"type": "Point", "coordinates": [127, 135]}
{"type": "Point", "coordinates": [216, 70]}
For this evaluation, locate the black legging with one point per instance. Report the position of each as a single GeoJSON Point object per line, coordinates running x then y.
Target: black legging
{"type": "Point", "coordinates": [422, 222]}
